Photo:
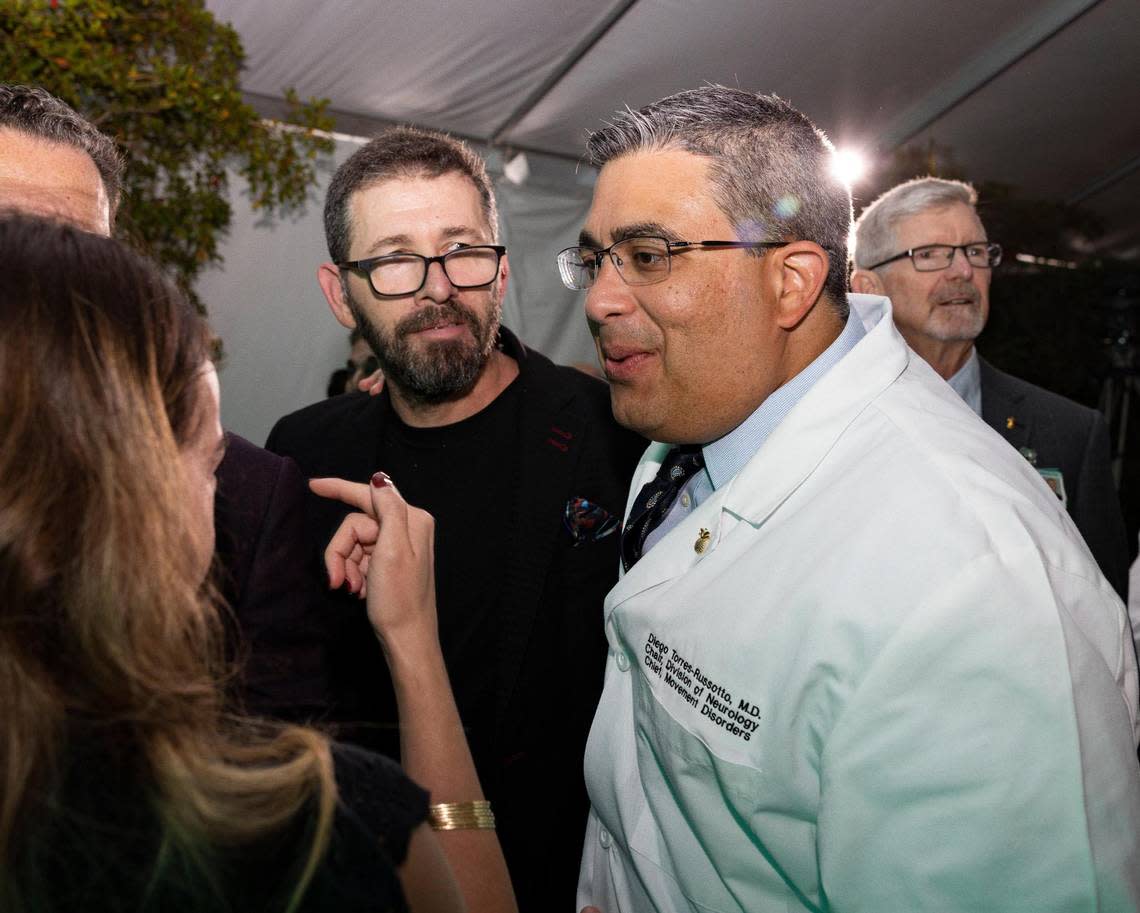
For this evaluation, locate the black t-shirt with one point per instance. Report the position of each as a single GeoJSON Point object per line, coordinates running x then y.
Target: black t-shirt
{"type": "Point", "coordinates": [96, 845]}
{"type": "Point", "coordinates": [463, 474]}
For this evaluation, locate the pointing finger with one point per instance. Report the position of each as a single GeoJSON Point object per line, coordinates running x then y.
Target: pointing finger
{"type": "Point", "coordinates": [354, 494]}
{"type": "Point", "coordinates": [391, 511]}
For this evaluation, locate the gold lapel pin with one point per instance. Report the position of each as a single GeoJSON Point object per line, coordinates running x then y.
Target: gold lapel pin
{"type": "Point", "coordinates": [702, 541]}
{"type": "Point", "coordinates": [1010, 423]}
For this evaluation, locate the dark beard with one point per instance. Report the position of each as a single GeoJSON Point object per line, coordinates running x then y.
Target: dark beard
{"type": "Point", "coordinates": [441, 371]}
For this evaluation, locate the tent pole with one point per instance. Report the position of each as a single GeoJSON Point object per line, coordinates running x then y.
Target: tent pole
{"type": "Point", "coordinates": [980, 71]}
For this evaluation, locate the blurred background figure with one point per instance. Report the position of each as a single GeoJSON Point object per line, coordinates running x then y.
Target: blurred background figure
{"type": "Point", "coordinates": [361, 361]}
{"type": "Point", "coordinates": [361, 364]}
{"type": "Point", "coordinates": [338, 383]}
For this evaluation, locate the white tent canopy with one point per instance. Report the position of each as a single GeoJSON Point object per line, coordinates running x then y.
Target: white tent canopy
{"type": "Point", "coordinates": [1042, 95]}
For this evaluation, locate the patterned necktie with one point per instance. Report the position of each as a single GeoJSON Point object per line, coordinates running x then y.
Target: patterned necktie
{"type": "Point", "coordinates": [655, 499]}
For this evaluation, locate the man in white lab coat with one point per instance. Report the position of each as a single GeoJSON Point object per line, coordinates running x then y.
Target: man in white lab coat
{"type": "Point", "coordinates": [859, 660]}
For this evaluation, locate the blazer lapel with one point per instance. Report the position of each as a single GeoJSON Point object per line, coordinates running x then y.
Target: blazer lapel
{"type": "Point", "coordinates": [676, 553]}
{"type": "Point", "coordinates": [367, 429]}
{"type": "Point", "coordinates": [1002, 407]}
{"type": "Point", "coordinates": [351, 451]}
{"type": "Point", "coordinates": [549, 439]}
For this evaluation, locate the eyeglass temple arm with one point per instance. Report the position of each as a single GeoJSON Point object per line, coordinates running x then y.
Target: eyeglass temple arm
{"type": "Point", "coordinates": [905, 253]}
{"type": "Point", "coordinates": [673, 245]}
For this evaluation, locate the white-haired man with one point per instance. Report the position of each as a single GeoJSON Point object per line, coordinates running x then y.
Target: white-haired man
{"type": "Point", "coordinates": [923, 246]}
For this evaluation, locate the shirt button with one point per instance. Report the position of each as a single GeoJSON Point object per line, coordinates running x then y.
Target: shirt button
{"type": "Point", "coordinates": [604, 838]}
{"type": "Point", "coordinates": [686, 501]}
{"type": "Point", "coordinates": [622, 662]}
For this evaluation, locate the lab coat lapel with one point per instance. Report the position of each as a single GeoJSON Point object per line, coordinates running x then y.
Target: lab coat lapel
{"type": "Point", "coordinates": [804, 438]}
{"type": "Point", "coordinates": [788, 457]}
{"type": "Point", "coordinates": [675, 552]}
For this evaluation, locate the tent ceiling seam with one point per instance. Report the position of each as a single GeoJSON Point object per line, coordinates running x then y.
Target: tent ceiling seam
{"type": "Point", "coordinates": [1105, 181]}
{"type": "Point", "coordinates": [983, 69]}
{"type": "Point", "coordinates": [571, 60]}
{"type": "Point", "coordinates": [353, 126]}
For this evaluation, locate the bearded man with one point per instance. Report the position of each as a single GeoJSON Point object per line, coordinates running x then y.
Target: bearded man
{"type": "Point", "coordinates": [521, 464]}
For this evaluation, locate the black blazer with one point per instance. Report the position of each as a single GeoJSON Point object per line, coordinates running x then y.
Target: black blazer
{"type": "Point", "coordinates": [1074, 439]}
{"type": "Point", "coordinates": [276, 630]}
{"type": "Point", "coordinates": [547, 675]}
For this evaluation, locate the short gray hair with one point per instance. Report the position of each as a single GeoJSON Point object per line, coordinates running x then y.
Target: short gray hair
{"type": "Point", "coordinates": [38, 113]}
{"type": "Point", "coordinates": [770, 167]}
{"type": "Point", "coordinates": [875, 238]}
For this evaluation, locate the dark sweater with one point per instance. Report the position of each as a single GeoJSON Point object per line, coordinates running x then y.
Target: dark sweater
{"type": "Point", "coordinates": [96, 846]}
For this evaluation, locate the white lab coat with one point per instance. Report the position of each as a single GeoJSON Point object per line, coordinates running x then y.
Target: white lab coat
{"type": "Point", "coordinates": [923, 690]}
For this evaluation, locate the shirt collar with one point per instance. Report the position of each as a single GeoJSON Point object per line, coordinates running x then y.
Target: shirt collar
{"type": "Point", "coordinates": [967, 382]}
{"type": "Point", "coordinates": [726, 456]}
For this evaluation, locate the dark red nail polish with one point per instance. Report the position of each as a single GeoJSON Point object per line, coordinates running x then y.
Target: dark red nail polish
{"type": "Point", "coordinates": [380, 480]}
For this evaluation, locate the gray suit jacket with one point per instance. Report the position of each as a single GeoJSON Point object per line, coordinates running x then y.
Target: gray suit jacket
{"type": "Point", "coordinates": [1073, 439]}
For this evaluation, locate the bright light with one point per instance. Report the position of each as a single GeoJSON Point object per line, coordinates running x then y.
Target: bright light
{"type": "Point", "coordinates": [848, 165]}
{"type": "Point", "coordinates": [517, 170]}
{"type": "Point", "coordinates": [1045, 261]}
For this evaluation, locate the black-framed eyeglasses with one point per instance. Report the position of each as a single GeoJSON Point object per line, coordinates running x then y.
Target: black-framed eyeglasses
{"type": "Point", "coordinates": [397, 275]}
{"type": "Point", "coordinates": [930, 258]}
{"type": "Point", "coordinates": [640, 260]}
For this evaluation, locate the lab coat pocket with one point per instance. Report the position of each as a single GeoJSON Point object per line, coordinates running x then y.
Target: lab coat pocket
{"type": "Point", "coordinates": [711, 819]}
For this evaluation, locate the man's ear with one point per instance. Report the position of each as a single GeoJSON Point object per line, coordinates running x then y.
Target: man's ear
{"type": "Point", "coordinates": [867, 282]}
{"type": "Point", "coordinates": [331, 281]}
{"type": "Point", "coordinates": [801, 271]}
{"type": "Point", "coordinates": [504, 274]}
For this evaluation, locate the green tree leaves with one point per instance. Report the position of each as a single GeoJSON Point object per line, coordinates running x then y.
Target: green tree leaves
{"type": "Point", "coordinates": [162, 78]}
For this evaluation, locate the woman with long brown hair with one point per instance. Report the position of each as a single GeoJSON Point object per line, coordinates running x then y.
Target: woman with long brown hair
{"type": "Point", "coordinates": [124, 784]}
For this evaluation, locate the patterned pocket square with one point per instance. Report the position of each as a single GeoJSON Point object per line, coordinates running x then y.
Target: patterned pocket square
{"type": "Point", "coordinates": [587, 521]}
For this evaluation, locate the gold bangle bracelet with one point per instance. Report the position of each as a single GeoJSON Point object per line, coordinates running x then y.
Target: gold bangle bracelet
{"type": "Point", "coordinates": [455, 816]}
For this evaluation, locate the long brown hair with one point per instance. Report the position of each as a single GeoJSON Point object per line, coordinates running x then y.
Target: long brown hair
{"type": "Point", "coordinates": [100, 620]}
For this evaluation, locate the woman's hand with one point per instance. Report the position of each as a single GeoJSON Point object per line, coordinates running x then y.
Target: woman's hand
{"type": "Point", "coordinates": [372, 384]}
{"type": "Point", "coordinates": [386, 554]}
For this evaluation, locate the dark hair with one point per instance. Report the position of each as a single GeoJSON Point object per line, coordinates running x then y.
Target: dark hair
{"type": "Point", "coordinates": [34, 111]}
{"type": "Point", "coordinates": [770, 167]}
{"type": "Point", "coordinates": [402, 152]}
